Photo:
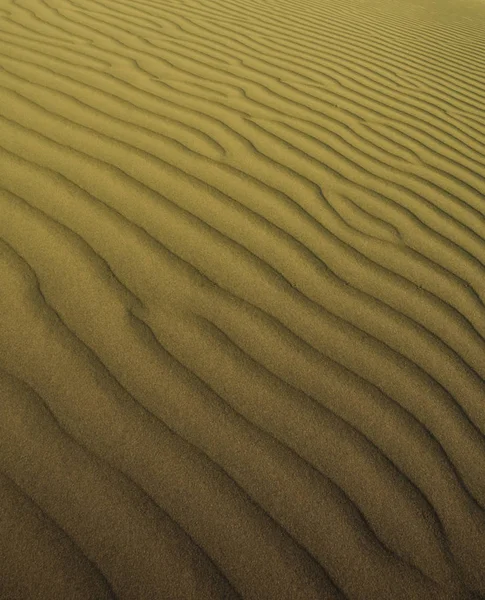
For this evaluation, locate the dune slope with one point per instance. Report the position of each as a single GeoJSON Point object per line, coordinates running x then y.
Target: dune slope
{"type": "Point", "coordinates": [242, 300]}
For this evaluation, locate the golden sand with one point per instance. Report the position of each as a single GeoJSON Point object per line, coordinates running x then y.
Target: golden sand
{"type": "Point", "coordinates": [242, 299]}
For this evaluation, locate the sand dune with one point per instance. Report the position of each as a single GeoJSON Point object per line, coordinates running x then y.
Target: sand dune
{"type": "Point", "coordinates": [242, 300]}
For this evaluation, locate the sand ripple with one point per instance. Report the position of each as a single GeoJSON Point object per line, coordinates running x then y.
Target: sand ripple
{"type": "Point", "coordinates": [242, 269]}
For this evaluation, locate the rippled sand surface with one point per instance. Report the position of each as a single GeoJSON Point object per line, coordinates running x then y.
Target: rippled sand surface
{"type": "Point", "coordinates": [242, 300]}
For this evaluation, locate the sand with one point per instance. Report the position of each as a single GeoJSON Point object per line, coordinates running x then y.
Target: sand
{"type": "Point", "coordinates": [242, 299]}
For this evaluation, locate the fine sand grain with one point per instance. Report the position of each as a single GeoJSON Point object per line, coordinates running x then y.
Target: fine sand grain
{"type": "Point", "coordinates": [242, 299]}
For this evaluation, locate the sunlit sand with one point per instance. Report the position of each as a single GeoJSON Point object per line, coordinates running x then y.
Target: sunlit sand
{"type": "Point", "coordinates": [242, 287]}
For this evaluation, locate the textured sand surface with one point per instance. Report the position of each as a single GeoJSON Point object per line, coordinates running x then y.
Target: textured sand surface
{"type": "Point", "coordinates": [242, 299]}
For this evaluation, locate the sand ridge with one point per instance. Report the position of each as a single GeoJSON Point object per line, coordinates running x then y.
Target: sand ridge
{"type": "Point", "coordinates": [242, 300]}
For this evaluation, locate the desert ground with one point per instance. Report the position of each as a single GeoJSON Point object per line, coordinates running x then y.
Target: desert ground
{"type": "Point", "coordinates": [242, 299]}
